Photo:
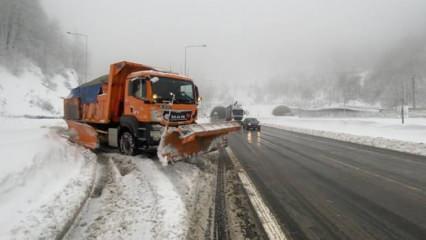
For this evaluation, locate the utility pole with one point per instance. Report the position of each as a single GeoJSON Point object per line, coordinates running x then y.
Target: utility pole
{"type": "Point", "coordinates": [413, 81]}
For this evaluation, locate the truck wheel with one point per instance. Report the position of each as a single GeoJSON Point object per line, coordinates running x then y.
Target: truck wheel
{"type": "Point", "coordinates": [127, 144]}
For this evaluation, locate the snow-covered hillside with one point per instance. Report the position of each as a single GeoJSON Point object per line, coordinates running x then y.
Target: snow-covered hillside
{"type": "Point", "coordinates": [43, 178]}
{"type": "Point", "coordinates": [32, 93]}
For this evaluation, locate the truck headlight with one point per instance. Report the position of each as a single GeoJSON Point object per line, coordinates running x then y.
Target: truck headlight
{"type": "Point", "coordinates": [156, 132]}
{"type": "Point", "coordinates": [156, 115]}
{"type": "Point", "coordinates": [155, 135]}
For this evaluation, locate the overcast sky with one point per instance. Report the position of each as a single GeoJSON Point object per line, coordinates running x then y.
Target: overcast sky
{"type": "Point", "coordinates": [248, 40]}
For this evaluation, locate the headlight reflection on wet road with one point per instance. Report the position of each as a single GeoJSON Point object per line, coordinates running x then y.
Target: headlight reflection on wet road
{"type": "Point", "coordinates": [253, 138]}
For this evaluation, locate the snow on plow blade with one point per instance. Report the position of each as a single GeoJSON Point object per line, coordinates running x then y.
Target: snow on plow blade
{"type": "Point", "coordinates": [185, 141]}
{"type": "Point", "coordinates": [83, 134]}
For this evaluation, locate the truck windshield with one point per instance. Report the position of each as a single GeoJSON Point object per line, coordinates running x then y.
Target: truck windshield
{"type": "Point", "coordinates": [183, 90]}
{"type": "Point", "coordinates": [238, 112]}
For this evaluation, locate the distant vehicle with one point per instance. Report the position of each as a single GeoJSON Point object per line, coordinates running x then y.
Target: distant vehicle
{"type": "Point", "coordinates": [251, 124]}
{"type": "Point", "coordinates": [234, 112]}
{"type": "Point", "coordinates": [218, 114]}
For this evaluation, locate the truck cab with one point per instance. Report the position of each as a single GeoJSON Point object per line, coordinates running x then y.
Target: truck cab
{"type": "Point", "coordinates": [161, 98]}
{"type": "Point", "coordinates": [234, 112]}
{"type": "Point", "coordinates": [153, 100]}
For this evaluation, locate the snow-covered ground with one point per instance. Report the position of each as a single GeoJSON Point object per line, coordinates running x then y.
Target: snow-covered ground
{"type": "Point", "coordinates": [46, 180]}
{"type": "Point", "coordinates": [32, 93]}
{"type": "Point", "coordinates": [383, 133]}
{"type": "Point", "coordinates": [141, 199]}
{"type": "Point", "coordinates": [414, 129]}
{"type": "Point", "coordinates": [43, 179]}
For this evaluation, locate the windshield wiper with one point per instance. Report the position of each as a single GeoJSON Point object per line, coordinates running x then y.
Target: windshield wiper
{"type": "Point", "coordinates": [162, 100]}
{"type": "Point", "coordinates": [183, 100]}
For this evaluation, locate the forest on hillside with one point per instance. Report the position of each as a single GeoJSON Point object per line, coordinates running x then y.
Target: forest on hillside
{"type": "Point", "coordinates": [397, 75]}
{"type": "Point", "coordinates": [28, 36]}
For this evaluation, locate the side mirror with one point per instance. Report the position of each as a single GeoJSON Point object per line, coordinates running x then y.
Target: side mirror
{"type": "Point", "coordinates": [197, 94]}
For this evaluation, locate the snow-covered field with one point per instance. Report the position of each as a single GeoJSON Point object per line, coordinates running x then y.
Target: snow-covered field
{"type": "Point", "coordinates": [378, 132]}
{"type": "Point", "coordinates": [43, 178]}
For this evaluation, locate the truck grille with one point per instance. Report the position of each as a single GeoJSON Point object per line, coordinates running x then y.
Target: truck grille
{"type": "Point", "coordinates": [177, 116]}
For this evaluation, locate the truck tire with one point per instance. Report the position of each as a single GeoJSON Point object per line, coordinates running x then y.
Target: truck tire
{"type": "Point", "coordinates": [127, 143]}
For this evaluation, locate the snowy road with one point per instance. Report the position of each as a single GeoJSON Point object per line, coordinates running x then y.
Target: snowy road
{"type": "Point", "coordinates": [326, 189]}
{"type": "Point", "coordinates": [137, 198]}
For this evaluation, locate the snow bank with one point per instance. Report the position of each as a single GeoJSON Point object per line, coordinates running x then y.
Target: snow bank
{"type": "Point", "coordinates": [377, 132]}
{"type": "Point", "coordinates": [43, 179]}
{"type": "Point", "coordinates": [414, 129]}
{"type": "Point", "coordinates": [32, 93]}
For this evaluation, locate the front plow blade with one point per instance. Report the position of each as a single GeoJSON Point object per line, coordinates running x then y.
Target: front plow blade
{"type": "Point", "coordinates": [189, 140]}
{"type": "Point", "coordinates": [83, 134]}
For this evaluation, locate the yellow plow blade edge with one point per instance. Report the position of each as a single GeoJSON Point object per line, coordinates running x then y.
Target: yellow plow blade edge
{"type": "Point", "coordinates": [186, 141]}
{"type": "Point", "coordinates": [82, 134]}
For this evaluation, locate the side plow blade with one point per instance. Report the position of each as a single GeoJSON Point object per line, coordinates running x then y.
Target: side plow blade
{"type": "Point", "coordinates": [82, 134]}
{"type": "Point", "coordinates": [189, 140]}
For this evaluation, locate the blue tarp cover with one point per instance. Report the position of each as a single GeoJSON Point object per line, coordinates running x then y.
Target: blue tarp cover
{"type": "Point", "coordinates": [86, 94]}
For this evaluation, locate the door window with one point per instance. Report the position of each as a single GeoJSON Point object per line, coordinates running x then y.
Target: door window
{"type": "Point", "coordinates": [138, 88]}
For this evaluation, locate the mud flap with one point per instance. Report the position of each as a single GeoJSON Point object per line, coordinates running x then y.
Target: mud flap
{"type": "Point", "coordinates": [186, 141]}
{"type": "Point", "coordinates": [82, 134]}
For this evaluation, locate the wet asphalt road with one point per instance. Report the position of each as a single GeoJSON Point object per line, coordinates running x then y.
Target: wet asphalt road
{"type": "Point", "coordinates": [326, 189]}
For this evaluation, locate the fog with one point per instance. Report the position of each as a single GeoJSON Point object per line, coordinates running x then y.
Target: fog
{"type": "Point", "coordinates": [248, 42]}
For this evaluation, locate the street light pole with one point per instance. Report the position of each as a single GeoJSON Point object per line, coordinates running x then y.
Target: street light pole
{"type": "Point", "coordinates": [86, 38]}
{"type": "Point", "coordinates": [403, 103]}
{"type": "Point", "coordinates": [186, 54]}
{"type": "Point", "coordinates": [413, 81]}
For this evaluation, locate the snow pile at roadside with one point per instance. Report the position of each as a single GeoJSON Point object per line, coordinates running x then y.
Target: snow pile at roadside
{"type": "Point", "coordinates": [382, 133]}
{"type": "Point", "coordinates": [149, 202]}
{"type": "Point", "coordinates": [414, 129]}
{"type": "Point", "coordinates": [43, 179]}
{"type": "Point", "coordinates": [32, 93]}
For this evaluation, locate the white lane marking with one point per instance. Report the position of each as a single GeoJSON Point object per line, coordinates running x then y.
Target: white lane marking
{"type": "Point", "coordinates": [267, 219]}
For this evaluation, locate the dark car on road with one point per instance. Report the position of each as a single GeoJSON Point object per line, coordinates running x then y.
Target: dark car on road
{"type": "Point", "coordinates": [251, 124]}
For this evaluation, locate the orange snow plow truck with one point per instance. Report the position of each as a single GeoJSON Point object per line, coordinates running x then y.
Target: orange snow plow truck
{"type": "Point", "coordinates": [135, 108]}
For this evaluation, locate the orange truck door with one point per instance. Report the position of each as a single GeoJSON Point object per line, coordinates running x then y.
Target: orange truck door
{"type": "Point", "coordinates": [136, 96]}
